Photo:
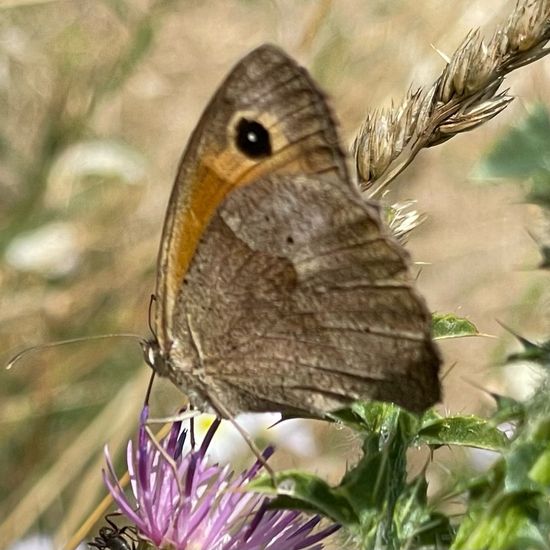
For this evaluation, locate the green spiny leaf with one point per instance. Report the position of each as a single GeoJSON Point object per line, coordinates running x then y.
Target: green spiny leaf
{"type": "Point", "coordinates": [447, 325]}
{"type": "Point", "coordinates": [508, 409]}
{"type": "Point", "coordinates": [540, 471]}
{"type": "Point", "coordinates": [519, 462]}
{"type": "Point", "coordinates": [506, 524]}
{"type": "Point", "coordinates": [536, 353]}
{"type": "Point", "coordinates": [296, 487]}
{"type": "Point", "coordinates": [469, 431]}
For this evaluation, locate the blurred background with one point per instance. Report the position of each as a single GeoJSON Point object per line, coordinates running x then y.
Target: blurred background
{"type": "Point", "coordinates": [97, 100]}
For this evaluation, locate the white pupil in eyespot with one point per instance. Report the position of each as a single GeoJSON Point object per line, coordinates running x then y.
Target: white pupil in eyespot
{"type": "Point", "coordinates": [252, 137]}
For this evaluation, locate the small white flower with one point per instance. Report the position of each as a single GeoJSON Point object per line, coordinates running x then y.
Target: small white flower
{"type": "Point", "coordinates": [51, 250]}
{"type": "Point", "coordinates": [101, 158]}
{"type": "Point", "coordinates": [293, 435]}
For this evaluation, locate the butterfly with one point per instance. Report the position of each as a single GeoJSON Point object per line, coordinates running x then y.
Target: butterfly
{"type": "Point", "coordinates": [278, 286]}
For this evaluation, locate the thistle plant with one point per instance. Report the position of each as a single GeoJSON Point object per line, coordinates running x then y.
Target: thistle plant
{"type": "Point", "coordinates": [181, 501]}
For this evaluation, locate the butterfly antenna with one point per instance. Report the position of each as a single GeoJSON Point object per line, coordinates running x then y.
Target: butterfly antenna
{"type": "Point", "coordinates": [150, 314]}
{"type": "Point", "coordinates": [16, 358]}
{"type": "Point", "coordinates": [152, 300]}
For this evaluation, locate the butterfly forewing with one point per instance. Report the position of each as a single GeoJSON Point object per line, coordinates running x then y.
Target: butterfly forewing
{"type": "Point", "coordinates": [267, 87]}
{"type": "Point", "coordinates": [284, 292]}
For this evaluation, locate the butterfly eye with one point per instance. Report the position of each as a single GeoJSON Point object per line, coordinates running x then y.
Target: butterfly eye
{"type": "Point", "coordinates": [253, 139]}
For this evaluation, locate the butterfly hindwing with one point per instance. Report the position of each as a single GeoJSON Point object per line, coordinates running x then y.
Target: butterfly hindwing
{"type": "Point", "coordinates": [306, 304]}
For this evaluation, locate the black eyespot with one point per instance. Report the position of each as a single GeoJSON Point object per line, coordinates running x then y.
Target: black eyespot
{"type": "Point", "coordinates": [253, 139]}
{"type": "Point", "coordinates": [290, 240]}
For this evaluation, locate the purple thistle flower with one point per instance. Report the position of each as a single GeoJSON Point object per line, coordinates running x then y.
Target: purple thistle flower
{"type": "Point", "coordinates": [180, 502]}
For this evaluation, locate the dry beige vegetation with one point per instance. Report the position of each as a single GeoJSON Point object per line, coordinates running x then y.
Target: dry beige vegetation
{"type": "Point", "coordinates": [54, 54]}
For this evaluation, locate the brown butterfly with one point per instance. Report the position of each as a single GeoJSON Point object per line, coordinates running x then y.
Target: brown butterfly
{"type": "Point", "coordinates": [278, 287]}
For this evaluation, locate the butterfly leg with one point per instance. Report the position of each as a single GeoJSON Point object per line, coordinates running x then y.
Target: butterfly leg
{"type": "Point", "coordinates": [223, 412]}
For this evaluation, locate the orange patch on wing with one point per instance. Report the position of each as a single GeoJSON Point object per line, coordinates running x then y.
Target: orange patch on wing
{"type": "Point", "coordinates": [211, 181]}
{"type": "Point", "coordinates": [205, 192]}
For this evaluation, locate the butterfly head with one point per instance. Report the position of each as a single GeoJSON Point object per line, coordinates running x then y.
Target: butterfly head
{"type": "Point", "coordinates": [152, 353]}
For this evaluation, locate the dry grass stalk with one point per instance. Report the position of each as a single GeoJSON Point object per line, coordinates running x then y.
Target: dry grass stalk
{"type": "Point", "coordinates": [402, 217]}
{"type": "Point", "coordinates": [464, 96]}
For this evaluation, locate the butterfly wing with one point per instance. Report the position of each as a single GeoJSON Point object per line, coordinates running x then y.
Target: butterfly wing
{"type": "Point", "coordinates": [268, 88]}
{"type": "Point", "coordinates": [294, 298]}
{"type": "Point", "coordinates": [307, 310]}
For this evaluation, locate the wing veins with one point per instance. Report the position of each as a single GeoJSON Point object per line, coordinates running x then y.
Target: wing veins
{"type": "Point", "coordinates": [352, 285]}
{"type": "Point", "coordinates": [320, 368]}
{"type": "Point", "coordinates": [376, 332]}
{"type": "Point", "coordinates": [335, 395]}
{"type": "Point", "coordinates": [308, 342]}
{"type": "Point", "coordinates": [341, 248]}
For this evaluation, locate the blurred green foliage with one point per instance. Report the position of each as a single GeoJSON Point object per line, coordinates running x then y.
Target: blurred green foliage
{"type": "Point", "coordinates": [523, 153]}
